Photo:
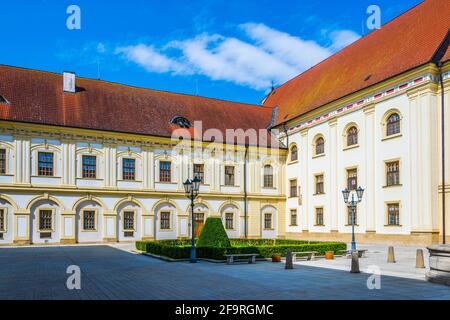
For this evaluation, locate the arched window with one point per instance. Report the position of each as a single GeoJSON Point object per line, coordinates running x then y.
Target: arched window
{"type": "Point", "coordinates": [393, 124]}
{"type": "Point", "coordinates": [268, 176]}
{"type": "Point", "coordinates": [320, 146]}
{"type": "Point", "coordinates": [294, 153]}
{"type": "Point", "coordinates": [352, 136]}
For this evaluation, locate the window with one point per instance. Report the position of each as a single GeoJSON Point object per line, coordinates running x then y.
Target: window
{"type": "Point", "coordinates": [128, 220]}
{"type": "Point", "coordinates": [229, 176]}
{"type": "Point", "coordinates": [89, 220]}
{"type": "Point", "coordinates": [129, 169]}
{"type": "Point", "coordinates": [352, 136]}
{"type": "Point", "coordinates": [293, 189]}
{"type": "Point", "coordinates": [268, 221]}
{"type": "Point", "coordinates": [229, 221]}
{"type": "Point", "coordinates": [89, 167]}
{"type": "Point", "coordinates": [199, 172]}
{"type": "Point", "coordinates": [320, 146]}
{"type": "Point", "coordinates": [349, 218]}
{"type": "Point", "coordinates": [293, 217]}
{"type": "Point", "coordinates": [294, 153]}
{"type": "Point", "coordinates": [45, 164]}
{"type": "Point", "coordinates": [319, 216]}
{"type": "Point", "coordinates": [319, 185]}
{"type": "Point", "coordinates": [352, 179]}
{"type": "Point", "coordinates": [2, 161]}
{"type": "Point", "coordinates": [165, 171]}
{"type": "Point", "coordinates": [393, 125]}
{"type": "Point", "coordinates": [393, 173]}
{"type": "Point", "coordinates": [165, 221]}
{"type": "Point", "coordinates": [394, 214]}
{"type": "Point", "coordinates": [2, 220]}
{"type": "Point", "coordinates": [268, 176]}
{"type": "Point", "coordinates": [45, 220]}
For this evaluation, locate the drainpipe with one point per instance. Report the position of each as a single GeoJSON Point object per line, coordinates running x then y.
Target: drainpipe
{"type": "Point", "coordinates": [441, 80]}
{"type": "Point", "coordinates": [245, 192]}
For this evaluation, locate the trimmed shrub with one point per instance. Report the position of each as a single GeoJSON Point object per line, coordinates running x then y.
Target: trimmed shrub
{"type": "Point", "coordinates": [213, 234]}
{"type": "Point", "coordinates": [168, 249]}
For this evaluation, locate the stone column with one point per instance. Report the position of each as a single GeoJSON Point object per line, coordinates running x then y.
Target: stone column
{"type": "Point", "coordinates": [334, 186]}
{"type": "Point", "coordinates": [304, 179]}
{"type": "Point", "coordinates": [369, 143]}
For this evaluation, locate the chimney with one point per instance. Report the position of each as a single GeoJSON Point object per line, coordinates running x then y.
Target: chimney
{"type": "Point", "coordinates": [69, 81]}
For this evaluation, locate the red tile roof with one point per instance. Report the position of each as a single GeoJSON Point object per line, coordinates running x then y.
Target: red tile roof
{"type": "Point", "coordinates": [37, 97]}
{"type": "Point", "coordinates": [410, 40]}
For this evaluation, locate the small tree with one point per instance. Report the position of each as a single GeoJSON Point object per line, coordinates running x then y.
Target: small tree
{"type": "Point", "coordinates": [214, 234]}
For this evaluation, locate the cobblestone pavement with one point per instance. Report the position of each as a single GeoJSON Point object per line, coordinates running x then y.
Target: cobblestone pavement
{"type": "Point", "coordinates": [110, 273]}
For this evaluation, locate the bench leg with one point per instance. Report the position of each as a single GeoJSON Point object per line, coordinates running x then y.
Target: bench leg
{"type": "Point", "coordinates": [313, 257]}
{"type": "Point", "coordinates": [254, 259]}
{"type": "Point", "coordinates": [229, 260]}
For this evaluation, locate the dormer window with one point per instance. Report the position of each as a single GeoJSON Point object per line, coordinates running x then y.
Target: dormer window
{"type": "Point", "coordinates": [182, 122]}
{"type": "Point", "coordinates": [3, 100]}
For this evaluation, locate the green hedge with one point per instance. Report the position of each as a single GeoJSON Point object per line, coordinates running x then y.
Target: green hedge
{"type": "Point", "coordinates": [213, 234]}
{"type": "Point", "coordinates": [168, 249]}
{"type": "Point", "coordinates": [268, 242]}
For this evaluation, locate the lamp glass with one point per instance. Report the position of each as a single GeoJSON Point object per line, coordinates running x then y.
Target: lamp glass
{"type": "Point", "coordinates": [346, 194]}
{"type": "Point", "coordinates": [360, 193]}
{"type": "Point", "coordinates": [196, 184]}
{"type": "Point", "coordinates": [187, 186]}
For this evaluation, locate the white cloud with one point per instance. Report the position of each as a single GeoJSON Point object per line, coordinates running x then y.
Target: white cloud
{"type": "Point", "coordinates": [300, 53]}
{"type": "Point", "coordinates": [269, 56]}
{"type": "Point", "coordinates": [152, 60]}
{"type": "Point", "coordinates": [343, 38]}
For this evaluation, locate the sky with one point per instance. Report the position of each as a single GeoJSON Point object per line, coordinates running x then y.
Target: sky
{"type": "Point", "coordinates": [226, 49]}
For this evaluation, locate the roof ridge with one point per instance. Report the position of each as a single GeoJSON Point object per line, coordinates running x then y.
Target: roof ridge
{"type": "Point", "coordinates": [249, 105]}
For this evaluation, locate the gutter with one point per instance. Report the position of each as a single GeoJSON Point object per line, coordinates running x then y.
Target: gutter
{"type": "Point", "coordinates": [441, 80]}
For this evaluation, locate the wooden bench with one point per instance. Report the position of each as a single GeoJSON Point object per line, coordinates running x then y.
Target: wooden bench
{"type": "Point", "coordinates": [309, 254]}
{"type": "Point", "coordinates": [348, 253]}
{"type": "Point", "coordinates": [251, 257]}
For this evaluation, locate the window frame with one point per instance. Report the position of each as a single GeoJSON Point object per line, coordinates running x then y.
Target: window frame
{"type": "Point", "coordinates": [53, 169]}
{"type": "Point", "coordinates": [202, 172]}
{"type": "Point", "coordinates": [397, 125]}
{"type": "Point", "coordinates": [4, 214]}
{"type": "Point", "coordinates": [398, 172]}
{"type": "Point", "coordinates": [349, 171]}
{"type": "Point", "coordinates": [349, 135]}
{"type": "Point", "coordinates": [227, 220]}
{"type": "Point", "coordinates": [268, 177]}
{"type": "Point", "coordinates": [134, 212]}
{"type": "Point", "coordinates": [316, 184]}
{"type": "Point", "coordinates": [83, 218]}
{"type": "Point", "coordinates": [316, 146]}
{"type": "Point", "coordinates": [167, 172]}
{"type": "Point", "coordinates": [52, 217]}
{"type": "Point", "coordinates": [296, 193]}
{"type": "Point", "coordinates": [291, 153]}
{"type": "Point", "coordinates": [398, 213]}
{"type": "Point", "coordinates": [4, 167]}
{"type": "Point", "coordinates": [227, 182]}
{"type": "Point", "coordinates": [127, 177]}
{"type": "Point", "coordinates": [266, 220]}
{"type": "Point", "coordinates": [293, 212]}
{"type": "Point", "coordinates": [322, 213]}
{"type": "Point", "coordinates": [169, 213]}
{"type": "Point", "coordinates": [349, 213]}
{"type": "Point", "coordinates": [83, 176]}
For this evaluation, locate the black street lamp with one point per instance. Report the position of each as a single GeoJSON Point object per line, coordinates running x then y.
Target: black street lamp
{"type": "Point", "coordinates": [353, 203]}
{"type": "Point", "coordinates": [192, 187]}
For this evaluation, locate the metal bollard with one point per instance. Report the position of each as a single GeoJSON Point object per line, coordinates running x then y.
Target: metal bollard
{"type": "Point", "coordinates": [355, 263]}
{"type": "Point", "coordinates": [289, 261]}
{"type": "Point", "coordinates": [420, 262]}
{"type": "Point", "coordinates": [391, 255]}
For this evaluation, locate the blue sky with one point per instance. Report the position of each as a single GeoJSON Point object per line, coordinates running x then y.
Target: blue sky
{"type": "Point", "coordinates": [227, 49]}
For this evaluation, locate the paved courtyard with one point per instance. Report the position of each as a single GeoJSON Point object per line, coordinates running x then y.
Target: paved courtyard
{"type": "Point", "coordinates": [112, 273]}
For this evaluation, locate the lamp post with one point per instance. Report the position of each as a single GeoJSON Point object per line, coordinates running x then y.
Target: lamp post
{"type": "Point", "coordinates": [192, 187]}
{"type": "Point", "coordinates": [353, 203]}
